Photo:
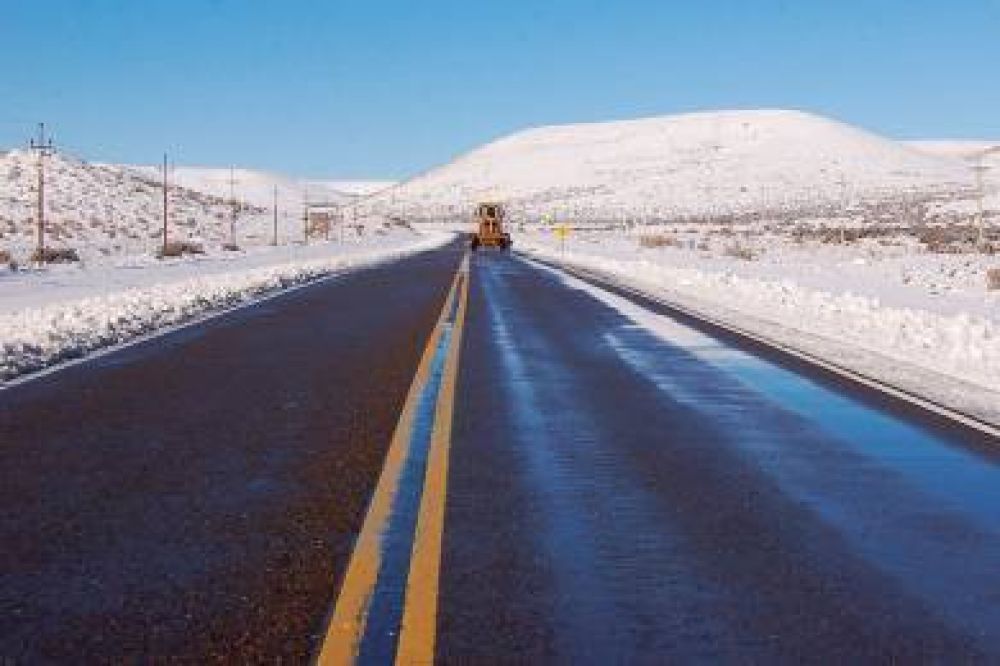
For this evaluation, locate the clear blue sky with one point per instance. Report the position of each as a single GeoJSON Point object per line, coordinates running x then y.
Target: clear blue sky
{"type": "Point", "coordinates": [380, 88]}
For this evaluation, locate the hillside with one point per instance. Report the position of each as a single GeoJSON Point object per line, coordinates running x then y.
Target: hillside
{"type": "Point", "coordinates": [689, 165]}
{"type": "Point", "coordinates": [101, 209]}
{"type": "Point", "coordinates": [256, 187]}
{"type": "Point", "coordinates": [966, 149]}
{"type": "Point", "coordinates": [107, 210]}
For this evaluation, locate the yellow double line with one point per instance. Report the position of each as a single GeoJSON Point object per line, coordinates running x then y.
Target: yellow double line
{"type": "Point", "coordinates": [419, 623]}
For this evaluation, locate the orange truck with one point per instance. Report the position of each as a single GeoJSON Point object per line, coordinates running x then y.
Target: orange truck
{"type": "Point", "coordinates": [490, 228]}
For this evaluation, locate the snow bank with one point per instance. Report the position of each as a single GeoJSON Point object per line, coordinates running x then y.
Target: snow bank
{"type": "Point", "coordinates": [35, 338]}
{"type": "Point", "coordinates": [912, 348]}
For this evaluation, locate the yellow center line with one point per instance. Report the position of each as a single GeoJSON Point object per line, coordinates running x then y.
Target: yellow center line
{"type": "Point", "coordinates": [347, 623]}
{"type": "Point", "coordinates": [419, 626]}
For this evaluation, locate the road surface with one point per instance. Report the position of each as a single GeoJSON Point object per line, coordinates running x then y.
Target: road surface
{"type": "Point", "coordinates": [571, 477]}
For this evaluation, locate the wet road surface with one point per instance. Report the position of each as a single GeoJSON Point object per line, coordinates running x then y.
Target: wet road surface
{"type": "Point", "coordinates": [197, 496]}
{"type": "Point", "coordinates": [624, 493]}
{"type": "Point", "coordinates": [621, 488]}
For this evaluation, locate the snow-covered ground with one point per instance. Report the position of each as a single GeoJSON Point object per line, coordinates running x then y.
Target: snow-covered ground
{"type": "Point", "coordinates": [696, 166]}
{"type": "Point", "coordinates": [884, 306]}
{"type": "Point", "coordinates": [63, 312]}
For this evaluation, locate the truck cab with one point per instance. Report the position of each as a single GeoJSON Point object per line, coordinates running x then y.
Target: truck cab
{"type": "Point", "coordinates": [490, 230]}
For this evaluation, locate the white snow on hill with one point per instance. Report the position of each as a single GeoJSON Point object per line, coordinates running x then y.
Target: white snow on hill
{"type": "Point", "coordinates": [99, 209]}
{"type": "Point", "coordinates": [256, 187]}
{"type": "Point", "coordinates": [683, 166]}
{"type": "Point", "coordinates": [965, 149]}
{"type": "Point", "coordinates": [974, 153]}
{"type": "Point", "coordinates": [107, 211]}
{"type": "Point", "coordinates": [358, 188]}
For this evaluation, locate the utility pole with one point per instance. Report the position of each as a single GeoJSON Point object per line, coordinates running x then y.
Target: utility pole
{"type": "Point", "coordinates": [305, 216]}
{"type": "Point", "coordinates": [163, 251]}
{"type": "Point", "coordinates": [43, 148]}
{"type": "Point", "coordinates": [274, 234]}
{"type": "Point", "coordinates": [980, 169]}
{"type": "Point", "coordinates": [843, 203]}
{"type": "Point", "coordinates": [232, 203]}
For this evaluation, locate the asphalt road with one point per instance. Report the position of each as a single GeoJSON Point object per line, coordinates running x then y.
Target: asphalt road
{"type": "Point", "coordinates": [615, 493]}
{"type": "Point", "coordinates": [620, 496]}
{"type": "Point", "coordinates": [197, 496]}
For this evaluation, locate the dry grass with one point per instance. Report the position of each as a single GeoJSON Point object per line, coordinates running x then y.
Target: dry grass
{"type": "Point", "coordinates": [740, 252]}
{"type": "Point", "coordinates": [948, 239]}
{"type": "Point", "coordinates": [179, 249]}
{"type": "Point", "coordinates": [659, 240]}
{"type": "Point", "coordinates": [55, 255]}
{"type": "Point", "coordinates": [993, 279]}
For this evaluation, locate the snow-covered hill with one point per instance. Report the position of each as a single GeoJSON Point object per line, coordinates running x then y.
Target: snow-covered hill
{"type": "Point", "coordinates": [256, 187]}
{"type": "Point", "coordinates": [108, 210]}
{"type": "Point", "coordinates": [683, 166]}
{"type": "Point", "coordinates": [973, 153]}
{"type": "Point", "coordinates": [99, 209]}
{"type": "Point", "coordinates": [966, 149]}
{"type": "Point", "coordinates": [358, 188]}
{"type": "Point", "coordinates": [252, 186]}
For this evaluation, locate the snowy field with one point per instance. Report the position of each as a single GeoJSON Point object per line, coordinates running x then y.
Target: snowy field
{"type": "Point", "coordinates": [59, 313]}
{"type": "Point", "coordinates": [886, 306]}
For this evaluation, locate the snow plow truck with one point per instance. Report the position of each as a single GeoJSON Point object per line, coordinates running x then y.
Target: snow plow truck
{"type": "Point", "coordinates": [490, 228]}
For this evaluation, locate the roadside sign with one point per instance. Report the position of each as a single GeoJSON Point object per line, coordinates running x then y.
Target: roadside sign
{"type": "Point", "coordinates": [562, 232]}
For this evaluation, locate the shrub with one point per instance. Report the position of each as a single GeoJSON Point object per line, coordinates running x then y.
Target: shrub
{"type": "Point", "coordinates": [740, 252]}
{"type": "Point", "coordinates": [179, 249]}
{"type": "Point", "coordinates": [55, 255]}
{"type": "Point", "coordinates": [231, 247]}
{"type": "Point", "coordinates": [658, 240]}
{"type": "Point", "coordinates": [950, 239]}
{"type": "Point", "coordinates": [993, 279]}
{"type": "Point", "coordinates": [6, 259]}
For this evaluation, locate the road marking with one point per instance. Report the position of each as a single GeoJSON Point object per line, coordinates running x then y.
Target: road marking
{"type": "Point", "coordinates": [346, 628]}
{"type": "Point", "coordinates": [419, 626]}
